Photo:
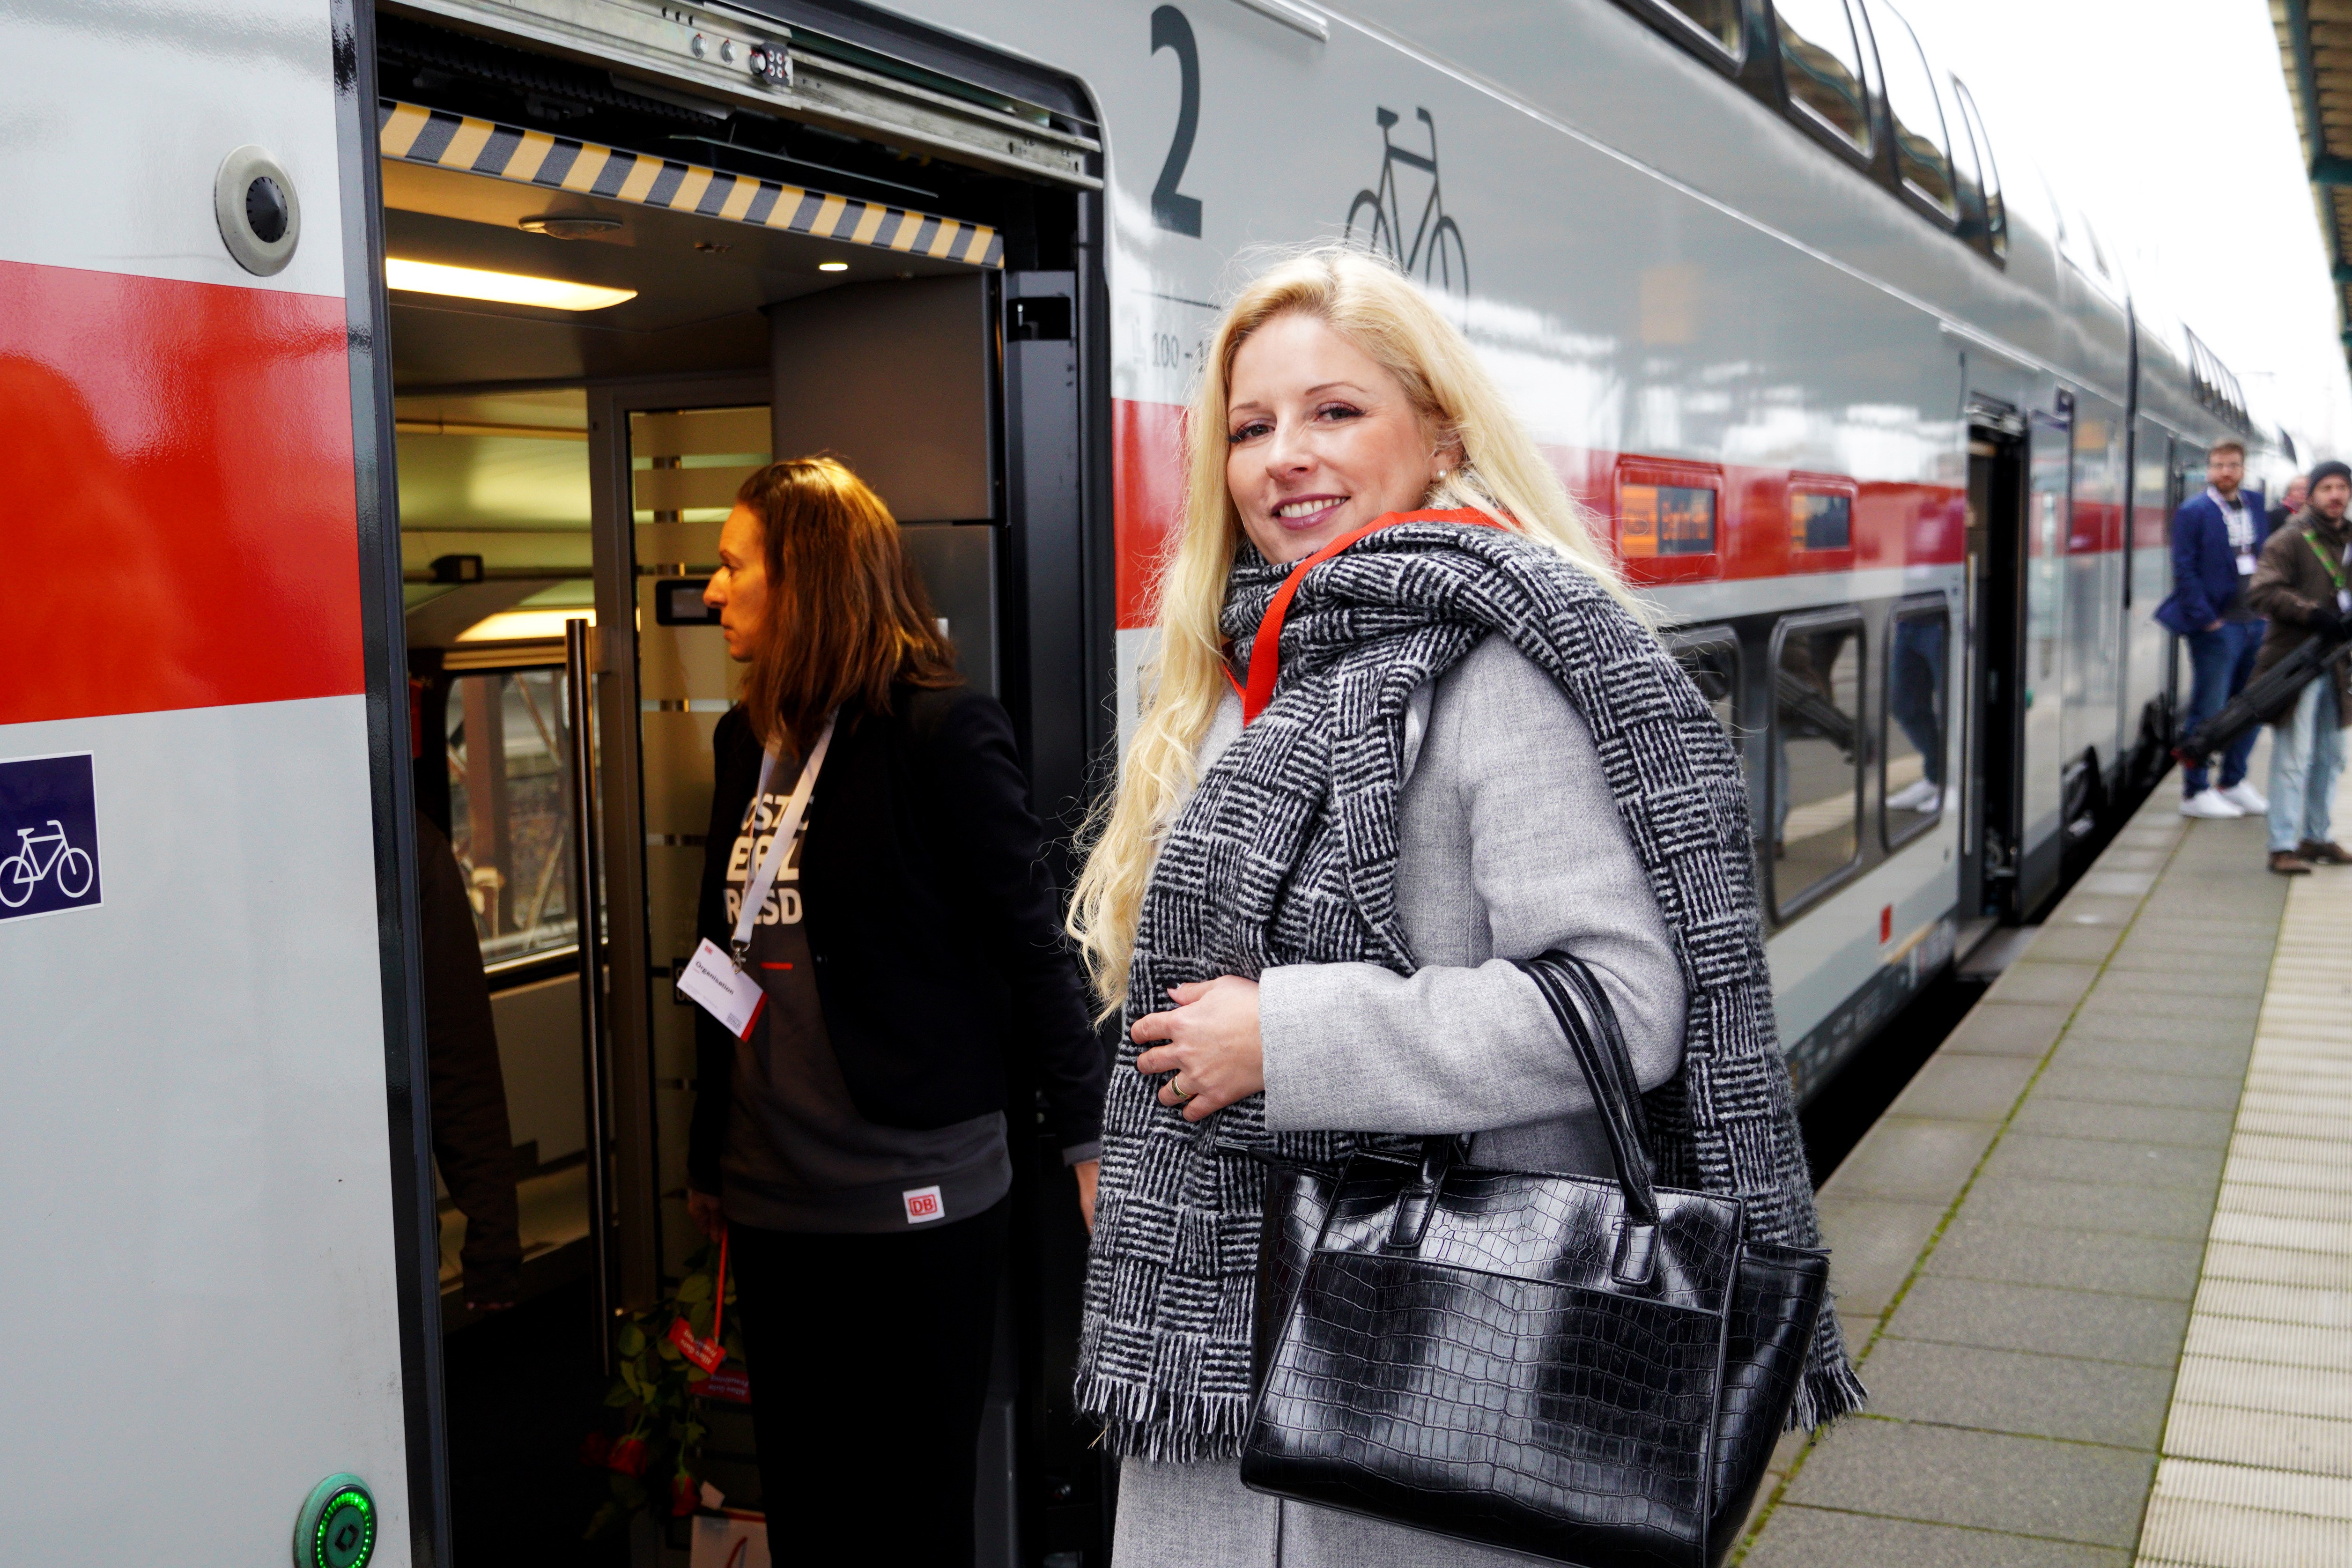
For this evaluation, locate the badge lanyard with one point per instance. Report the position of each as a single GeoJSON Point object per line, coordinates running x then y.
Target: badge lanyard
{"type": "Point", "coordinates": [755, 892]}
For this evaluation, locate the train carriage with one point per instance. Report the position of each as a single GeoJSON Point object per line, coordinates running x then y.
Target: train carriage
{"type": "Point", "coordinates": [374, 382]}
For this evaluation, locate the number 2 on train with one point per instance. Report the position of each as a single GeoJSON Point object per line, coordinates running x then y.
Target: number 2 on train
{"type": "Point", "coordinates": [1178, 214]}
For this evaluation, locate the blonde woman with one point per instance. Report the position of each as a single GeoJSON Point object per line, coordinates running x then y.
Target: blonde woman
{"type": "Point", "coordinates": [1465, 749]}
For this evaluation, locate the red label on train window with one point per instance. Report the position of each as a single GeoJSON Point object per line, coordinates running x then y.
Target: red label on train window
{"type": "Point", "coordinates": [1820, 521]}
{"type": "Point", "coordinates": [1666, 520]}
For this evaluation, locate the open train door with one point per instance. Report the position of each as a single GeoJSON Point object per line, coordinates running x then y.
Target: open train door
{"type": "Point", "coordinates": [216, 1177]}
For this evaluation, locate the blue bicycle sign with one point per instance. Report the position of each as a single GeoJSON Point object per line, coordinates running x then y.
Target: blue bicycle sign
{"type": "Point", "coordinates": [48, 835]}
{"type": "Point", "coordinates": [1376, 219]}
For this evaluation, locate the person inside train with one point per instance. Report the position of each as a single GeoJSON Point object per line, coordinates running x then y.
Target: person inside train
{"type": "Point", "coordinates": [853, 1143]}
{"type": "Point", "coordinates": [2216, 539]}
{"type": "Point", "coordinates": [1915, 696]}
{"type": "Point", "coordinates": [472, 1141]}
{"type": "Point", "coordinates": [1262, 872]}
{"type": "Point", "coordinates": [2303, 586]}
{"type": "Point", "coordinates": [2290, 501]}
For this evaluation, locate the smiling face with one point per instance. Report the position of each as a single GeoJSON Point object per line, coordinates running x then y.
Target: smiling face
{"type": "Point", "coordinates": [738, 589]}
{"type": "Point", "coordinates": [1322, 439]}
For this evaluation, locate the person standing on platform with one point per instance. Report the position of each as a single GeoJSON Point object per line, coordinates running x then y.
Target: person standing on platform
{"type": "Point", "coordinates": [2304, 585]}
{"type": "Point", "coordinates": [2216, 539]}
{"type": "Point", "coordinates": [2298, 491]}
{"type": "Point", "coordinates": [856, 1142]}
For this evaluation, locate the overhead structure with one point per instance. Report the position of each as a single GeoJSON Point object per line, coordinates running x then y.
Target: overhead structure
{"type": "Point", "coordinates": [2316, 46]}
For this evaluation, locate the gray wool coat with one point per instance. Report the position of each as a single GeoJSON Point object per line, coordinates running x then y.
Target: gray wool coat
{"type": "Point", "coordinates": [1510, 845]}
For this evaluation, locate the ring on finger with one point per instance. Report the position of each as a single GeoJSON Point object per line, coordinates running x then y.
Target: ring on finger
{"type": "Point", "coordinates": [1176, 1087]}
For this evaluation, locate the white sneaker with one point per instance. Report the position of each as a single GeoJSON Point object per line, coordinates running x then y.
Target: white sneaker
{"type": "Point", "coordinates": [2212, 804]}
{"type": "Point", "coordinates": [1920, 796]}
{"type": "Point", "coordinates": [2247, 798]}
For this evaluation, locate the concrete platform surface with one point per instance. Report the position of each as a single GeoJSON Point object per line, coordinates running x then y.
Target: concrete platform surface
{"type": "Point", "coordinates": [2097, 1256]}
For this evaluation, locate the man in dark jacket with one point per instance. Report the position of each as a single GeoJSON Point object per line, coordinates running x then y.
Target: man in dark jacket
{"type": "Point", "coordinates": [2216, 538]}
{"type": "Point", "coordinates": [2304, 585]}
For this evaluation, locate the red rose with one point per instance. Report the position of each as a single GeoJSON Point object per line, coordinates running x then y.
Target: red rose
{"type": "Point", "coordinates": [596, 1448]}
{"type": "Point", "coordinates": [628, 1456]}
{"type": "Point", "coordinates": [684, 1495]}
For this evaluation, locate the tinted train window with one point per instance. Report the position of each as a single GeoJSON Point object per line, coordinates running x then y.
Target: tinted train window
{"type": "Point", "coordinates": [509, 815]}
{"type": "Point", "coordinates": [1819, 522]}
{"type": "Point", "coordinates": [1912, 779]}
{"type": "Point", "coordinates": [1711, 658]}
{"type": "Point", "coordinates": [1824, 66]}
{"type": "Point", "coordinates": [1818, 743]}
{"type": "Point", "coordinates": [1996, 217]}
{"type": "Point", "coordinates": [1920, 155]}
{"type": "Point", "coordinates": [1666, 520]}
{"type": "Point", "coordinates": [1717, 20]}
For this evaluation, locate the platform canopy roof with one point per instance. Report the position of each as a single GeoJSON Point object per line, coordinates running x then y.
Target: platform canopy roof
{"type": "Point", "coordinates": [2316, 46]}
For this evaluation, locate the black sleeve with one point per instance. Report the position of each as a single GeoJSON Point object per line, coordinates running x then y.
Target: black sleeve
{"type": "Point", "coordinates": [993, 846]}
{"type": "Point", "coordinates": [471, 1140]}
{"type": "Point", "coordinates": [736, 774]}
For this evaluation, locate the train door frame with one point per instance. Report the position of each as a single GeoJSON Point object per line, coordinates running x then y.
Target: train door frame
{"type": "Point", "coordinates": [2041, 864]}
{"type": "Point", "coordinates": [1992, 718]}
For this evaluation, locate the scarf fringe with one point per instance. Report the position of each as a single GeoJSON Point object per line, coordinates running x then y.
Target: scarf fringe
{"type": "Point", "coordinates": [1164, 1425]}
{"type": "Point", "coordinates": [1827, 1394]}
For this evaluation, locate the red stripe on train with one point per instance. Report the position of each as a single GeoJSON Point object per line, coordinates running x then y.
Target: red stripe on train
{"type": "Point", "coordinates": [180, 528]}
{"type": "Point", "coordinates": [1893, 524]}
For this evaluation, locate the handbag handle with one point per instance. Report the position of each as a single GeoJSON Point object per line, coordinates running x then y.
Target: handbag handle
{"type": "Point", "coordinates": [1590, 1022]}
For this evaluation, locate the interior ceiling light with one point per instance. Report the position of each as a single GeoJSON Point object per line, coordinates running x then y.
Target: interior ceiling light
{"type": "Point", "coordinates": [569, 226]}
{"type": "Point", "coordinates": [519, 626]}
{"type": "Point", "coordinates": [833, 267]}
{"type": "Point", "coordinates": [504, 287]}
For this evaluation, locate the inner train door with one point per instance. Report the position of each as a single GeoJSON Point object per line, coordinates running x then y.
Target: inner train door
{"type": "Point", "coordinates": [2043, 755]}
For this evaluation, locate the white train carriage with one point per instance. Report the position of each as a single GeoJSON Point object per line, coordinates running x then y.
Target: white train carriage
{"type": "Point", "coordinates": [374, 344]}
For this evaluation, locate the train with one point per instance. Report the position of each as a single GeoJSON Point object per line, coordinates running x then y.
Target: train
{"type": "Point", "coordinates": [373, 394]}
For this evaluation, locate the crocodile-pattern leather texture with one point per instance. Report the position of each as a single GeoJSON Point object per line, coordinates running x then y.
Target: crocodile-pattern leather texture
{"type": "Point", "coordinates": [1775, 1298]}
{"type": "Point", "coordinates": [1480, 1354]}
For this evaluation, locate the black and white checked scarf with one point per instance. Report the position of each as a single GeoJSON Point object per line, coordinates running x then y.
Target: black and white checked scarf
{"type": "Point", "coordinates": [1285, 853]}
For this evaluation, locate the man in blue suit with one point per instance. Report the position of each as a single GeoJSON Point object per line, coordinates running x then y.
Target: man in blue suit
{"type": "Point", "coordinates": [2216, 540]}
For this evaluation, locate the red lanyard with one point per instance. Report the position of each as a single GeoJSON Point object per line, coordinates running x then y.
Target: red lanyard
{"type": "Point", "coordinates": [1265, 648]}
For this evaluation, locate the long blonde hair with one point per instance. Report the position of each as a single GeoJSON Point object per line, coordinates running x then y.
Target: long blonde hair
{"type": "Point", "coordinates": [1501, 474]}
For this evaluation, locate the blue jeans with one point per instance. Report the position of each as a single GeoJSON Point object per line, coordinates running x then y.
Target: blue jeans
{"type": "Point", "coordinates": [1915, 692]}
{"type": "Point", "coordinates": [2306, 753]}
{"type": "Point", "coordinates": [2221, 662]}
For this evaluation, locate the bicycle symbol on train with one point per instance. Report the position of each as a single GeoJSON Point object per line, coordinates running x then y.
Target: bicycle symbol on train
{"type": "Point", "coordinates": [1376, 219]}
{"type": "Point", "coordinates": [49, 805]}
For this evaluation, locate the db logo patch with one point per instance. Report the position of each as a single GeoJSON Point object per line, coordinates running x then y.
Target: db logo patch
{"type": "Point", "coordinates": [49, 835]}
{"type": "Point", "coordinates": [922, 1203]}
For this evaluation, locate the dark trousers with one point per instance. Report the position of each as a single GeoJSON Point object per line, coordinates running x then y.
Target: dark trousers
{"type": "Point", "coordinates": [869, 1357]}
{"type": "Point", "coordinates": [2221, 662]}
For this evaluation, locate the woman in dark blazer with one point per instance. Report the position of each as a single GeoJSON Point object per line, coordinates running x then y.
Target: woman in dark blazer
{"type": "Point", "coordinates": [853, 1142]}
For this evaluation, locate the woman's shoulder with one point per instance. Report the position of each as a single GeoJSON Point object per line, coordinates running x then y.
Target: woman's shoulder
{"type": "Point", "coordinates": [1498, 712]}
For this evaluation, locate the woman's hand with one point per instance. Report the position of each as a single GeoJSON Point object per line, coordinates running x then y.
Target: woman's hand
{"type": "Point", "coordinates": [704, 1211]}
{"type": "Point", "coordinates": [1212, 1046]}
{"type": "Point", "coordinates": [1088, 1171]}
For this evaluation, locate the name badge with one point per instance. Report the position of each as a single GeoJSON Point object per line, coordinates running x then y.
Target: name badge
{"type": "Point", "coordinates": [2344, 601]}
{"type": "Point", "coordinates": [712, 982]}
{"type": "Point", "coordinates": [2246, 566]}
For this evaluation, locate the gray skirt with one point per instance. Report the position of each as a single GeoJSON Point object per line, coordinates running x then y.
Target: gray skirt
{"type": "Point", "coordinates": [1200, 1516]}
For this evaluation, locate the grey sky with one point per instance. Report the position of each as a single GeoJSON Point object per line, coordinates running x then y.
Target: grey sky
{"type": "Point", "coordinates": [2167, 122]}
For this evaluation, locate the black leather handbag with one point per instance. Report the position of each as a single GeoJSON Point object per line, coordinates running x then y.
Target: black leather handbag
{"type": "Point", "coordinates": [1589, 1371]}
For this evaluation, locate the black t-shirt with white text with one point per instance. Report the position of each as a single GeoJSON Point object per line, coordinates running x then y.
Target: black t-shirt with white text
{"type": "Point", "coordinates": [799, 1157]}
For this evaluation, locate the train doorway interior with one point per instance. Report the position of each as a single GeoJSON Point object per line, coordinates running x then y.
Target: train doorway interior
{"type": "Point", "coordinates": [580, 381]}
{"type": "Point", "coordinates": [1993, 722]}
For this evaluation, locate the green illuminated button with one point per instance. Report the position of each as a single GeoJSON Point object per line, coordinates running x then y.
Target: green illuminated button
{"type": "Point", "coordinates": [337, 1528]}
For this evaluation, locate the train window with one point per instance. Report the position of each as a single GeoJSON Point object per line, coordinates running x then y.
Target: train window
{"type": "Point", "coordinates": [1818, 521]}
{"type": "Point", "coordinates": [1911, 774]}
{"type": "Point", "coordinates": [1822, 62]}
{"type": "Point", "coordinates": [1818, 744]}
{"type": "Point", "coordinates": [1715, 21]}
{"type": "Point", "coordinates": [1921, 153]}
{"type": "Point", "coordinates": [1996, 215]}
{"type": "Point", "coordinates": [1710, 657]}
{"type": "Point", "coordinates": [1666, 520]}
{"type": "Point", "coordinates": [509, 819]}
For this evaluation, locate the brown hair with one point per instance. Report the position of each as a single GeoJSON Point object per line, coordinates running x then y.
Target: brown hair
{"type": "Point", "coordinates": [2226, 444]}
{"type": "Point", "coordinates": [848, 618]}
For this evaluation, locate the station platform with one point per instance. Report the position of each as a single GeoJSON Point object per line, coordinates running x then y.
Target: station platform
{"type": "Point", "coordinates": [2096, 1257]}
